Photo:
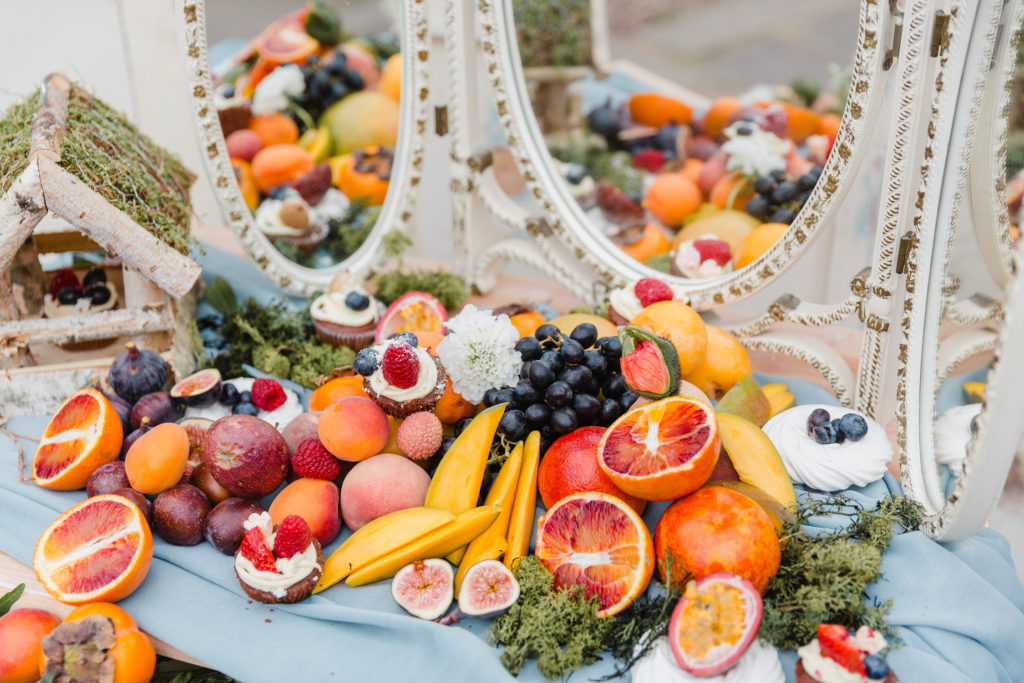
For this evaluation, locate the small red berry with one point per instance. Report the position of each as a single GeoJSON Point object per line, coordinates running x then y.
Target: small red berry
{"type": "Point", "coordinates": [312, 460]}
{"type": "Point", "coordinates": [651, 291]}
{"type": "Point", "coordinates": [650, 160]}
{"type": "Point", "coordinates": [254, 548]}
{"type": "Point", "coordinates": [293, 536]}
{"type": "Point", "coordinates": [714, 250]}
{"type": "Point", "coordinates": [837, 644]}
{"type": "Point", "coordinates": [267, 394]}
{"type": "Point", "coordinates": [65, 277]}
{"type": "Point", "coordinates": [400, 366]}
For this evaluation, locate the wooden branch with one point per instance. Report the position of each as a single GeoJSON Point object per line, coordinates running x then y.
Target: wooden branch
{"type": "Point", "coordinates": [138, 293]}
{"type": "Point", "coordinates": [51, 118]}
{"type": "Point", "coordinates": [21, 209]}
{"type": "Point", "coordinates": [122, 238]}
{"type": "Point", "coordinates": [88, 327]}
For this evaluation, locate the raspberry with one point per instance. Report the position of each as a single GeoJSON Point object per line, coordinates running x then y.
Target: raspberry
{"type": "Point", "coordinates": [267, 394]}
{"type": "Point", "coordinates": [400, 366]}
{"type": "Point", "coordinates": [65, 277]}
{"type": "Point", "coordinates": [774, 120]}
{"type": "Point", "coordinates": [716, 250]}
{"type": "Point", "coordinates": [312, 460]}
{"type": "Point", "coordinates": [837, 644]}
{"type": "Point", "coordinates": [651, 291]}
{"type": "Point", "coordinates": [293, 537]}
{"type": "Point", "coordinates": [254, 548]}
{"type": "Point", "coordinates": [650, 160]}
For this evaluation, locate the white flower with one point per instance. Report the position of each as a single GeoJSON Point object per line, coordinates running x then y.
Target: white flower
{"type": "Point", "coordinates": [272, 93]}
{"type": "Point", "coordinates": [479, 352]}
{"type": "Point", "coordinates": [758, 153]}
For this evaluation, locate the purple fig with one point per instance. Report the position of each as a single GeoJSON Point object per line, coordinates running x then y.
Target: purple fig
{"type": "Point", "coordinates": [137, 372]}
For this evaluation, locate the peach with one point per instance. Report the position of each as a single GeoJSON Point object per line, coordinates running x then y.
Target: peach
{"type": "Point", "coordinates": [243, 144]}
{"type": "Point", "coordinates": [712, 171]}
{"type": "Point", "coordinates": [299, 429]}
{"type": "Point", "coordinates": [21, 631]}
{"type": "Point", "coordinates": [353, 428]}
{"type": "Point", "coordinates": [316, 501]}
{"type": "Point", "coordinates": [379, 485]}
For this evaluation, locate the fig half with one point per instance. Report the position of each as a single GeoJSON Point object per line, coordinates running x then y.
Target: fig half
{"type": "Point", "coordinates": [488, 589]}
{"type": "Point", "coordinates": [198, 389]}
{"type": "Point", "coordinates": [424, 588]}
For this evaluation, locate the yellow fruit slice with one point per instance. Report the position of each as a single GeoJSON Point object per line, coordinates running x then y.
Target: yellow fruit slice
{"type": "Point", "coordinates": [491, 544]}
{"type": "Point", "coordinates": [379, 537]}
{"type": "Point", "coordinates": [754, 456]}
{"type": "Point", "coordinates": [438, 543]}
{"type": "Point", "coordinates": [456, 482]}
{"type": "Point", "coordinates": [520, 524]}
{"type": "Point", "coordinates": [974, 391]}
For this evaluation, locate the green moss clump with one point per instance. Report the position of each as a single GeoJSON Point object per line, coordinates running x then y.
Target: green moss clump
{"type": "Point", "coordinates": [449, 289]}
{"type": "Point", "coordinates": [15, 139]}
{"type": "Point", "coordinates": [539, 45]}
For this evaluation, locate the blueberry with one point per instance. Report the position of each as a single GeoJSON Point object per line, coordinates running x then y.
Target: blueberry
{"type": "Point", "coordinates": [540, 374]}
{"type": "Point", "coordinates": [228, 394]}
{"type": "Point", "coordinates": [571, 351]}
{"type": "Point", "coordinates": [627, 399]}
{"type": "Point", "coordinates": [778, 175]}
{"type": "Point", "coordinates": [366, 362]}
{"type": "Point", "coordinates": [817, 417]}
{"type": "Point", "coordinates": [575, 173]}
{"type": "Point", "coordinates": [853, 426]}
{"type": "Point", "coordinates": [764, 186]}
{"type": "Point", "coordinates": [94, 276]}
{"type": "Point", "coordinates": [840, 434]}
{"type": "Point", "coordinates": [357, 301]}
{"type": "Point", "coordinates": [552, 359]}
{"type": "Point", "coordinates": [596, 361]}
{"type": "Point", "coordinates": [587, 407]}
{"type": "Point", "coordinates": [245, 397]}
{"type": "Point", "coordinates": [547, 332]}
{"type": "Point", "coordinates": [563, 421]}
{"type": "Point", "coordinates": [875, 667]}
{"type": "Point", "coordinates": [559, 394]}
{"type": "Point", "coordinates": [526, 393]}
{"type": "Point", "coordinates": [513, 425]}
{"type": "Point", "coordinates": [826, 433]}
{"type": "Point", "coordinates": [528, 348]}
{"type": "Point", "coordinates": [585, 334]}
{"type": "Point", "coordinates": [245, 408]}
{"type": "Point", "coordinates": [610, 347]}
{"type": "Point", "coordinates": [99, 294]}
{"type": "Point", "coordinates": [537, 415]}
{"type": "Point", "coordinates": [614, 386]}
{"type": "Point", "coordinates": [68, 295]}
{"type": "Point", "coordinates": [785, 192]}
{"type": "Point", "coordinates": [227, 92]}
{"type": "Point", "coordinates": [744, 129]}
{"type": "Point", "coordinates": [782, 215]}
{"type": "Point", "coordinates": [278, 192]}
{"type": "Point", "coordinates": [408, 337]}
{"type": "Point", "coordinates": [610, 411]}
{"type": "Point", "coordinates": [353, 80]}
{"type": "Point", "coordinates": [758, 207]}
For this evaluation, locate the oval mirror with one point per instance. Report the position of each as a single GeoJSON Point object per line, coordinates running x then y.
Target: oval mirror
{"type": "Point", "coordinates": [963, 424]}
{"type": "Point", "coordinates": [647, 166]}
{"type": "Point", "coordinates": [312, 142]}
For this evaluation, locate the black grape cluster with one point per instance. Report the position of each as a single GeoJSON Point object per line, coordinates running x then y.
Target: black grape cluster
{"type": "Point", "coordinates": [327, 82]}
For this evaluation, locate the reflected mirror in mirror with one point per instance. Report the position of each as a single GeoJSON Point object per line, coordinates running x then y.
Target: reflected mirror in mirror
{"type": "Point", "coordinates": [696, 148]}
{"type": "Point", "coordinates": [308, 101]}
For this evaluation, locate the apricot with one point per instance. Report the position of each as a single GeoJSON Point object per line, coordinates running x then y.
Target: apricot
{"type": "Point", "coordinates": [652, 242]}
{"type": "Point", "coordinates": [316, 501]}
{"type": "Point", "coordinates": [671, 198]}
{"type": "Point", "coordinates": [279, 164]}
{"type": "Point", "coordinates": [156, 461]}
{"type": "Point", "coordinates": [353, 428]}
{"type": "Point", "coordinates": [758, 241]}
{"type": "Point", "coordinates": [718, 114]}
{"type": "Point", "coordinates": [725, 363]}
{"type": "Point", "coordinates": [390, 82]}
{"type": "Point", "coordinates": [331, 390]}
{"type": "Point", "coordinates": [682, 326]}
{"type": "Point", "coordinates": [21, 632]}
{"type": "Point", "coordinates": [452, 407]}
{"type": "Point", "coordinates": [379, 485]}
{"type": "Point", "coordinates": [691, 168]}
{"type": "Point", "coordinates": [243, 144]}
{"type": "Point", "coordinates": [274, 129]}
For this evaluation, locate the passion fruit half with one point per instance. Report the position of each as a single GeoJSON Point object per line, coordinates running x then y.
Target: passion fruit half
{"type": "Point", "coordinates": [412, 312]}
{"type": "Point", "coordinates": [198, 389]}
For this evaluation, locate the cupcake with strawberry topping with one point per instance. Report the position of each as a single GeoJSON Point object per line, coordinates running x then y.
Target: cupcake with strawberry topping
{"type": "Point", "coordinates": [401, 376]}
{"type": "Point", "coordinates": [279, 564]}
{"type": "Point", "coordinates": [704, 257]}
{"type": "Point", "coordinates": [839, 655]}
{"type": "Point", "coordinates": [625, 303]}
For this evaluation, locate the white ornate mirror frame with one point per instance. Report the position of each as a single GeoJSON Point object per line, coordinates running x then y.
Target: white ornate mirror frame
{"type": "Point", "coordinates": [396, 213]}
{"type": "Point", "coordinates": [980, 60]}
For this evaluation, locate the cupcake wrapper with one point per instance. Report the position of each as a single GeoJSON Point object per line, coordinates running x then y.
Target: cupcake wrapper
{"type": "Point", "coordinates": [355, 338]}
{"type": "Point", "coordinates": [297, 592]}
{"type": "Point", "coordinates": [308, 240]}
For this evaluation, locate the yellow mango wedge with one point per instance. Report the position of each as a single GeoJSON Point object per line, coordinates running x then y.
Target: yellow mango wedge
{"type": "Point", "coordinates": [456, 482]}
{"type": "Point", "coordinates": [491, 544]}
{"type": "Point", "coordinates": [974, 391]}
{"type": "Point", "coordinates": [754, 456]}
{"type": "Point", "coordinates": [779, 398]}
{"type": "Point", "coordinates": [378, 538]}
{"type": "Point", "coordinates": [438, 543]}
{"type": "Point", "coordinates": [520, 523]}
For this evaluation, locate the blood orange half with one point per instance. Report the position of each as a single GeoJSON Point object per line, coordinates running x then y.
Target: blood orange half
{"type": "Point", "coordinates": [100, 549]}
{"type": "Point", "coordinates": [662, 450]}
{"type": "Point", "coordinates": [84, 433]}
{"type": "Point", "coordinates": [597, 541]}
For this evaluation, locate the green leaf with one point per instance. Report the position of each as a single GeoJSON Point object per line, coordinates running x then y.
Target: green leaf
{"type": "Point", "coordinates": [323, 23]}
{"type": "Point", "coordinates": [8, 600]}
{"type": "Point", "coordinates": [48, 678]}
{"type": "Point", "coordinates": [221, 296]}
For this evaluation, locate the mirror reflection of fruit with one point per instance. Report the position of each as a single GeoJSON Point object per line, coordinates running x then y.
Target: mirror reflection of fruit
{"type": "Point", "coordinates": [363, 119]}
{"type": "Point", "coordinates": [365, 173]}
{"type": "Point", "coordinates": [756, 242]}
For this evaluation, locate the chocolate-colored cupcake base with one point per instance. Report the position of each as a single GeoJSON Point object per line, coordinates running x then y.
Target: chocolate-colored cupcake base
{"type": "Point", "coordinates": [616, 317]}
{"type": "Point", "coordinates": [355, 338]}
{"type": "Point", "coordinates": [803, 677]}
{"type": "Point", "coordinates": [306, 241]}
{"type": "Point", "coordinates": [297, 592]}
{"type": "Point", "coordinates": [403, 409]}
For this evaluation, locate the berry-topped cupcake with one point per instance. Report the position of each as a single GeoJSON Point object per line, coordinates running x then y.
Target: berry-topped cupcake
{"type": "Point", "coordinates": [839, 655]}
{"type": "Point", "coordinates": [65, 295]}
{"type": "Point", "coordinates": [703, 257]}
{"type": "Point", "coordinates": [291, 220]}
{"type": "Point", "coordinates": [346, 315]}
{"type": "Point", "coordinates": [625, 303]}
{"type": "Point", "coordinates": [279, 564]}
{"type": "Point", "coordinates": [401, 376]}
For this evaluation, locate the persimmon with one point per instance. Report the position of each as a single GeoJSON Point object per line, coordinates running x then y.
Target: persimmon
{"type": "Point", "coordinates": [274, 129]}
{"type": "Point", "coordinates": [732, 191]}
{"type": "Point", "coordinates": [133, 654]}
{"type": "Point", "coordinates": [652, 241]}
{"type": "Point", "coordinates": [718, 114]}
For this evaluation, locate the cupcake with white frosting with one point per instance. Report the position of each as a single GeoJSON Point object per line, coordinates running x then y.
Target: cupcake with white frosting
{"type": "Point", "coordinates": [346, 315]}
{"type": "Point", "coordinates": [290, 220]}
{"type": "Point", "coordinates": [278, 564]}
{"type": "Point", "coordinates": [401, 376]}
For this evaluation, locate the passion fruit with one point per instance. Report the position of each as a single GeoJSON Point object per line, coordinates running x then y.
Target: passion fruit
{"type": "Point", "coordinates": [412, 312]}
{"type": "Point", "coordinates": [196, 429]}
{"type": "Point", "coordinates": [198, 389]}
{"type": "Point", "coordinates": [137, 372]}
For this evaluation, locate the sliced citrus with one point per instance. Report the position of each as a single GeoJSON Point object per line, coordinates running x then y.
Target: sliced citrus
{"type": "Point", "coordinates": [100, 549]}
{"type": "Point", "coordinates": [84, 433]}
{"type": "Point", "coordinates": [597, 541]}
{"type": "Point", "coordinates": [662, 450]}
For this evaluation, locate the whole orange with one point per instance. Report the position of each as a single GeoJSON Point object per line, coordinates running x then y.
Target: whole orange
{"type": "Point", "coordinates": [21, 631]}
{"type": "Point", "coordinates": [672, 197]}
{"type": "Point", "coordinates": [452, 407]}
{"type": "Point", "coordinates": [716, 529]}
{"type": "Point", "coordinates": [570, 466]}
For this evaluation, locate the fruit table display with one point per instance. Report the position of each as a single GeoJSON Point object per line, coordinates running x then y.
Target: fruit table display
{"type": "Point", "coordinates": [955, 608]}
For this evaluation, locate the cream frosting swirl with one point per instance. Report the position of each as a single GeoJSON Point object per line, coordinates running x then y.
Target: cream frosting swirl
{"type": "Point", "coordinates": [426, 382]}
{"type": "Point", "coordinates": [952, 433]}
{"type": "Point", "coordinates": [290, 570]}
{"type": "Point", "coordinates": [627, 304]}
{"type": "Point", "coordinates": [55, 309]}
{"type": "Point", "coordinates": [331, 308]}
{"type": "Point", "coordinates": [760, 664]}
{"type": "Point", "coordinates": [279, 417]}
{"type": "Point", "coordinates": [268, 220]}
{"type": "Point", "coordinates": [828, 467]}
{"type": "Point", "coordinates": [825, 670]}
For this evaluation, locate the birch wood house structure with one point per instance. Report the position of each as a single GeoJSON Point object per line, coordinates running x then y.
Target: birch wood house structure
{"type": "Point", "coordinates": [84, 163]}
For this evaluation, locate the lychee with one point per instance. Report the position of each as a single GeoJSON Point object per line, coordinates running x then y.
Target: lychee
{"type": "Point", "coordinates": [419, 435]}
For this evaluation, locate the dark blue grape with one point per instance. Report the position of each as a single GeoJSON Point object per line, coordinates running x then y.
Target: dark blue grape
{"type": "Point", "coordinates": [764, 186]}
{"type": "Point", "coordinates": [577, 376]}
{"type": "Point", "coordinates": [559, 394]}
{"type": "Point", "coordinates": [758, 207]}
{"type": "Point", "coordinates": [596, 361]}
{"type": "Point", "coordinates": [552, 359]}
{"type": "Point", "coordinates": [540, 374]}
{"type": "Point", "coordinates": [563, 421]}
{"type": "Point", "coordinates": [461, 425]}
{"type": "Point", "coordinates": [528, 348]}
{"type": "Point", "coordinates": [610, 411]}
{"type": "Point", "coordinates": [537, 415]}
{"type": "Point", "coordinates": [627, 399]}
{"type": "Point", "coordinates": [490, 397]}
{"type": "Point", "coordinates": [587, 407]}
{"type": "Point", "coordinates": [610, 347]}
{"type": "Point", "coordinates": [614, 386]}
{"type": "Point", "coordinates": [782, 215]}
{"type": "Point", "coordinates": [785, 192]}
{"type": "Point", "coordinates": [547, 332]}
{"type": "Point", "coordinates": [446, 443]}
{"type": "Point", "coordinates": [585, 334]}
{"type": "Point", "coordinates": [807, 181]}
{"type": "Point", "coordinates": [506, 395]}
{"type": "Point", "coordinates": [513, 425]}
{"type": "Point", "coordinates": [571, 351]}
{"type": "Point", "coordinates": [526, 393]}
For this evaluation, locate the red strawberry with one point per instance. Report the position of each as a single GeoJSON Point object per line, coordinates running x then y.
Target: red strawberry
{"type": "Point", "coordinates": [400, 366]}
{"type": "Point", "coordinates": [293, 536]}
{"type": "Point", "coordinates": [65, 277]}
{"type": "Point", "coordinates": [837, 644]}
{"type": "Point", "coordinates": [651, 291]}
{"type": "Point", "coordinates": [312, 460]}
{"type": "Point", "coordinates": [267, 394]}
{"type": "Point", "coordinates": [716, 250]}
{"type": "Point", "coordinates": [649, 160]}
{"type": "Point", "coordinates": [254, 548]}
